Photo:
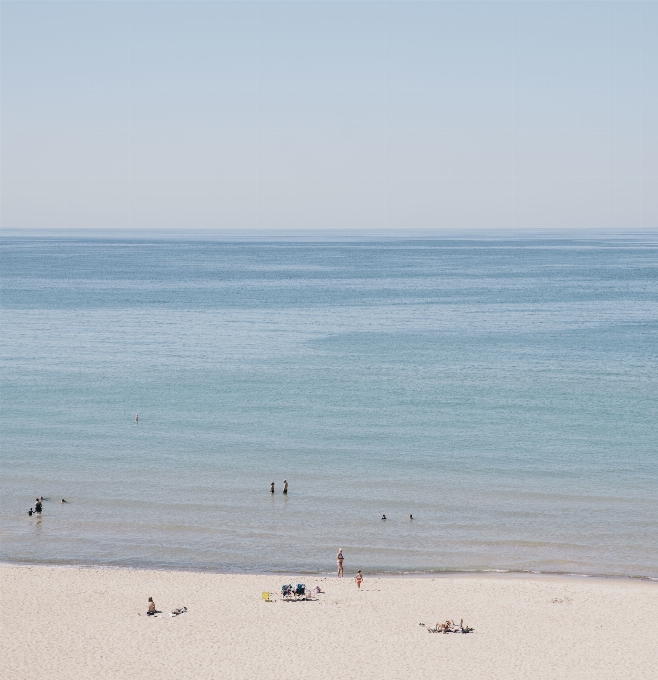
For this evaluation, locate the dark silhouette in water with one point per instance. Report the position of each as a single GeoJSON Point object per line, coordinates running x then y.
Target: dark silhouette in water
{"type": "Point", "coordinates": [29, 512]}
{"type": "Point", "coordinates": [272, 487]}
{"type": "Point", "coordinates": [383, 516]}
{"type": "Point", "coordinates": [285, 487]}
{"type": "Point", "coordinates": [37, 507]}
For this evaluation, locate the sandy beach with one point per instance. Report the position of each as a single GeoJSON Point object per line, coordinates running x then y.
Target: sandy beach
{"type": "Point", "coordinates": [91, 623]}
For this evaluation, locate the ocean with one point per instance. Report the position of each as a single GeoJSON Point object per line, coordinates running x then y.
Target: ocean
{"type": "Point", "coordinates": [503, 390]}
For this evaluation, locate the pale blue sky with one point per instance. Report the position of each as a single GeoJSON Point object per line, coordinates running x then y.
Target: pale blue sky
{"type": "Point", "coordinates": [323, 115]}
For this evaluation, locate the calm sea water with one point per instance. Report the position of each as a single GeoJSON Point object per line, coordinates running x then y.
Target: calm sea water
{"type": "Point", "coordinates": [505, 392]}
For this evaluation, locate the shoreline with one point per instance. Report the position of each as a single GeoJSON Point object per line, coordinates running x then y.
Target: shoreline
{"type": "Point", "coordinates": [500, 574]}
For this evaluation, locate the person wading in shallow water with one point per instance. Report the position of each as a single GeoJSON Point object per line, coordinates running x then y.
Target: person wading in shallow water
{"type": "Point", "coordinates": [272, 487]}
{"type": "Point", "coordinates": [37, 507]}
{"type": "Point", "coordinates": [285, 487]}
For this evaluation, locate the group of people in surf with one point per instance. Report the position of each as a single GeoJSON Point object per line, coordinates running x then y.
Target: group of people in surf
{"type": "Point", "coordinates": [38, 506]}
{"type": "Point", "coordinates": [285, 487]}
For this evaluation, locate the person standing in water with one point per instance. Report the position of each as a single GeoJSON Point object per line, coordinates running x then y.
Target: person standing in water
{"type": "Point", "coordinates": [37, 507]}
{"type": "Point", "coordinates": [359, 579]}
{"type": "Point", "coordinates": [285, 487]}
{"type": "Point", "coordinates": [272, 487]}
{"type": "Point", "coordinates": [136, 417]}
{"type": "Point", "coordinates": [339, 562]}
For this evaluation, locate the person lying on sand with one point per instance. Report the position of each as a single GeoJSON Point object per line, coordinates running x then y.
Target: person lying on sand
{"type": "Point", "coordinates": [451, 627]}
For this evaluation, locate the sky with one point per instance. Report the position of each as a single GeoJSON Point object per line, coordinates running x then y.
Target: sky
{"type": "Point", "coordinates": [329, 115]}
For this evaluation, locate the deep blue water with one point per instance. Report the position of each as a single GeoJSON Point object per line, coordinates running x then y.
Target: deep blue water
{"type": "Point", "coordinates": [503, 391]}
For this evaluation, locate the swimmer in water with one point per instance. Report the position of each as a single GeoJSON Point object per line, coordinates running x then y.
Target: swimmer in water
{"type": "Point", "coordinates": [411, 516]}
{"type": "Point", "coordinates": [29, 512]}
{"type": "Point", "coordinates": [64, 500]}
{"type": "Point", "coordinates": [272, 487]}
{"type": "Point", "coordinates": [383, 516]}
{"type": "Point", "coordinates": [285, 487]}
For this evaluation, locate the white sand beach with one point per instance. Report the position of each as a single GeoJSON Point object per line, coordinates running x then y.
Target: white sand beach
{"type": "Point", "coordinates": [70, 623]}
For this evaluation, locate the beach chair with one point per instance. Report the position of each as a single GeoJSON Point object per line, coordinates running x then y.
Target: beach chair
{"type": "Point", "coordinates": [266, 596]}
{"type": "Point", "coordinates": [300, 591]}
{"type": "Point", "coordinates": [287, 592]}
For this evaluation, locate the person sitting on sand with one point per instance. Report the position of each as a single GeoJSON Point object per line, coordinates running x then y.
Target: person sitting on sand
{"type": "Point", "coordinates": [359, 579]}
{"type": "Point", "coordinates": [339, 562]}
{"type": "Point", "coordinates": [461, 628]}
{"type": "Point", "coordinates": [151, 611]}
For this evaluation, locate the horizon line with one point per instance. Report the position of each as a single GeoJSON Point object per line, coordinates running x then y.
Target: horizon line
{"type": "Point", "coordinates": [310, 234]}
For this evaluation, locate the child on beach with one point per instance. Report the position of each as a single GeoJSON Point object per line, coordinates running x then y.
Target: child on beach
{"type": "Point", "coordinates": [359, 579]}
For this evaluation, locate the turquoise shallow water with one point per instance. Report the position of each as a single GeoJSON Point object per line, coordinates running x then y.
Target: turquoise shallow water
{"type": "Point", "coordinates": [503, 391]}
